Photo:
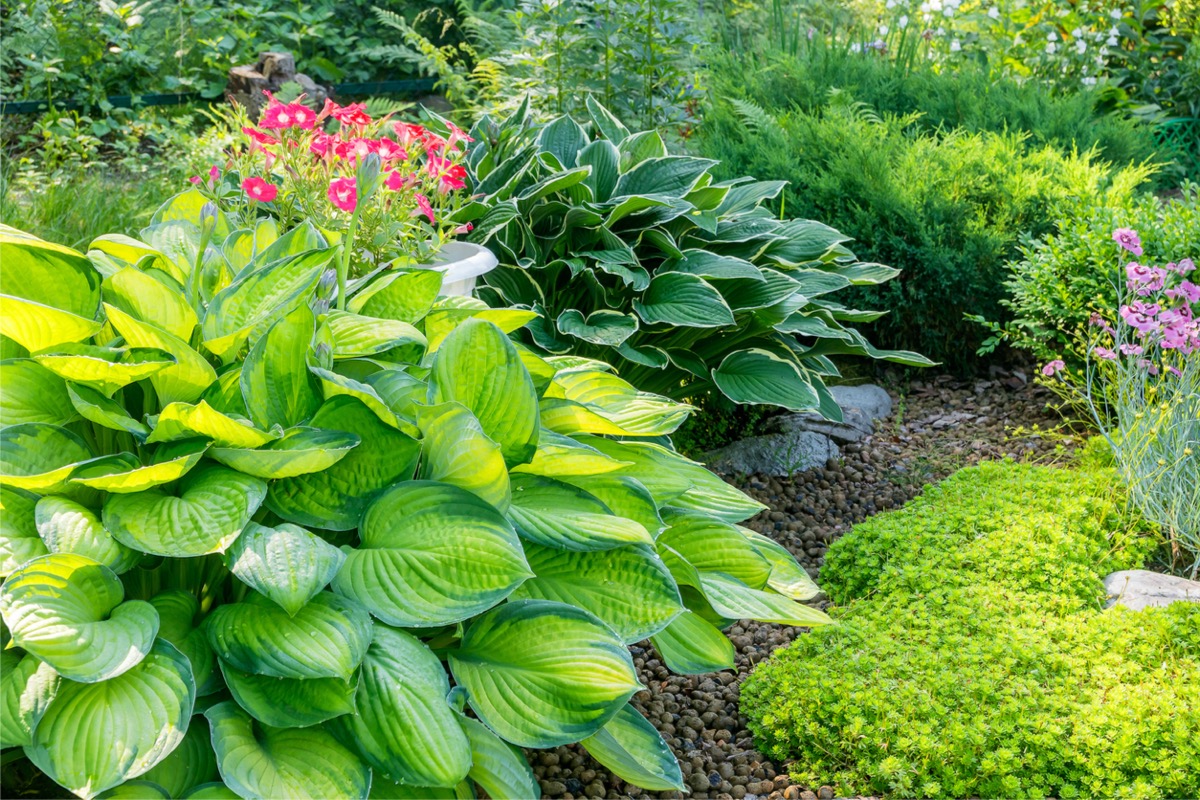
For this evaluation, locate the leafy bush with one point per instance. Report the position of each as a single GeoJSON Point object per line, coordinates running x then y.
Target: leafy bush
{"type": "Point", "coordinates": [242, 532]}
{"type": "Point", "coordinates": [976, 661]}
{"type": "Point", "coordinates": [945, 209]}
{"type": "Point", "coordinates": [640, 258]}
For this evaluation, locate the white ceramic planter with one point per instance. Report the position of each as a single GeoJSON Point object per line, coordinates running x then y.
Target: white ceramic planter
{"type": "Point", "coordinates": [462, 263]}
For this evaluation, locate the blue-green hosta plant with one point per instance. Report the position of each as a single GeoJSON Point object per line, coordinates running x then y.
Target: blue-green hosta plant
{"type": "Point", "coordinates": [254, 546]}
{"type": "Point", "coordinates": [641, 258]}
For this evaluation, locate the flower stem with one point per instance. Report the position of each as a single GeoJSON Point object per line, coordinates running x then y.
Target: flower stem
{"type": "Point", "coordinates": [344, 265]}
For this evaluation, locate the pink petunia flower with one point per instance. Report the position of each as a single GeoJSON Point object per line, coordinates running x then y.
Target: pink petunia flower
{"type": "Point", "coordinates": [407, 134]}
{"type": "Point", "coordinates": [214, 172]}
{"type": "Point", "coordinates": [456, 135]}
{"type": "Point", "coordinates": [280, 116]}
{"type": "Point", "coordinates": [259, 136]}
{"type": "Point", "coordinates": [343, 194]}
{"type": "Point", "coordinates": [354, 115]}
{"type": "Point", "coordinates": [195, 180]}
{"type": "Point", "coordinates": [1105, 353]}
{"type": "Point", "coordinates": [389, 151]}
{"type": "Point", "coordinates": [395, 181]}
{"type": "Point", "coordinates": [322, 144]}
{"type": "Point", "coordinates": [1184, 266]}
{"type": "Point", "coordinates": [425, 207]}
{"type": "Point", "coordinates": [450, 176]}
{"type": "Point", "coordinates": [1054, 367]}
{"type": "Point", "coordinates": [1128, 238]}
{"type": "Point", "coordinates": [260, 190]}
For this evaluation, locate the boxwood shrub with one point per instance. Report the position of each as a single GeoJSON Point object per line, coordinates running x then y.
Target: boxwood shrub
{"type": "Point", "coordinates": [973, 658]}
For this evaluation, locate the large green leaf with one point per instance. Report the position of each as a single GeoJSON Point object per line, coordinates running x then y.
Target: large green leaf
{"type": "Point", "coordinates": [326, 639]}
{"type": "Point", "coordinates": [683, 300]}
{"type": "Point", "coordinates": [758, 376]}
{"type": "Point", "coordinates": [97, 735]}
{"type": "Point", "coordinates": [556, 514]}
{"type": "Point", "coordinates": [355, 335]}
{"type": "Point", "coordinates": [403, 296]}
{"type": "Point", "coordinates": [104, 411]}
{"type": "Point", "coordinates": [186, 421]}
{"type": "Point", "coordinates": [635, 752]}
{"type": "Point", "coordinates": [287, 564]}
{"type": "Point", "coordinates": [180, 623]}
{"type": "Point", "coordinates": [708, 264]}
{"type": "Point", "coordinates": [68, 527]}
{"type": "Point", "coordinates": [335, 498]}
{"type": "Point", "coordinates": [124, 474]}
{"type": "Point", "coordinates": [66, 609]}
{"type": "Point", "coordinates": [32, 393]}
{"type": "Point", "coordinates": [628, 588]}
{"type": "Point", "coordinates": [734, 600]}
{"type": "Point", "coordinates": [479, 367]}
{"type": "Point", "coordinates": [787, 577]}
{"type": "Point", "coordinates": [212, 507]}
{"type": "Point", "coordinates": [289, 702]}
{"type": "Point", "coordinates": [189, 765]}
{"type": "Point", "coordinates": [300, 451]}
{"type": "Point", "coordinates": [432, 554]}
{"type": "Point", "coordinates": [625, 496]}
{"type": "Point", "coordinates": [691, 645]}
{"type": "Point", "coordinates": [497, 766]}
{"type": "Point", "coordinates": [711, 545]}
{"type": "Point", "coordinates": [542, 674]}
{"type": "Point", "coordinates": [668, 175]}
{"type": "Point", "coordinates": [19, 539]}
{"type": "Point", "coordinates": [402, 724]}
{"type": "Point", "coordinates": [558, 455]}
{"type": "Point", "coordinates": [151, 300]}
{"type": "Point", "coordinates": [457, 451]}
{"type": "Point", "coordinates": [27, 687]}
{"type": "Point", "coordinates": [276, 385]}
{"type": "Point", "coordinates": [604, 327]}
{"type": "Point", "coordinates": [636, 413]}
{"type": "Point", "coordinates": [187, 379]}
{"type": "Point", "coordinates": [38, 457]}
{"type": "Point", "coordinates": [264, 763]}
{"type": "Point", "coordinates": [48, 273]}
{"type": "Point", "coordinates": [35, 326]}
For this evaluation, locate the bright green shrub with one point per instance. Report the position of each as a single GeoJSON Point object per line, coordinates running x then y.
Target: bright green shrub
{"type": "Point", "coordinates": [975, 661]}
{"type": "Point", "coordinates": [640, 258]}
{"type": "Point", "coordinates": [304, 539]}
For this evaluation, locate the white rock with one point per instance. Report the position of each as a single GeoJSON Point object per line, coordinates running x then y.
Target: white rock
{"type": "Point", "coordinates": [1140, 588]}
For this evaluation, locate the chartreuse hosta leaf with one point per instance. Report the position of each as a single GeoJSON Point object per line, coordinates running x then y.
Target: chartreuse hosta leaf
{"type": "Point", "coordinates": [48, 273]}
{"type": "Point", "coordinates": [289, 702]}
{"type": "Point", "coordinates": [299, 451]}
{"type": "Point", "coordinates": [355, 335]}
{"type": "Point", "coordinates": [263, 763]}
{"type": "Point", "coordinates": [541, 674]}
{"type": "Point", "coordinates": [450, 312]}
{"type": "Point", "coordinates": [27, 686]}
{"type": "Point", "coordinates": [275, 382]}
{"type": "Point", "coordinates": [636, 413]}
{"type": "Point", "coordinates": [497, 766]}
{"type": "Point", "coordinates": [625, 496]}
{"type": "Point", "coordinates": [185, 421]}
{"type": "Point", "coordinates": [558, 455]}
{"type": "Point", "coordinates": [211, 791]}
{"type": "Point", "coordinates": [403, 296]}
{"type": "Point", "coordinates": [335, 498]}
{"type": "Point", "coordinates": [383, 789]}
{"type": "Point", "coordinates": [556, 514]}
{"type": "Point", "coordinates": [660, 470]}
{"type": "Point", "coordinates": [710, 545]}
{"type": "Point", "coordinates": [123, 473]}
{"type": "Point", "coordinates": [691, 645]}
{"type": "Point", "coordinates": [402, 724]}
{"type": "Point", "coordinates": [634, 751]}
{"type": "Point", "coordinates": [732, 599]}
{"type": "Point", "coordinates": [628, 588]}
{"type": "Point", "coordinates": [147, 298]}
{"type": "Point", "coordinates": [38, 457]}
{"type": "Point", "coordinates": [32, 393]}
{"type": "Point", "coordinates": [105, 369]}
{"type": "Point", "coordinates": [93, 406]}
{"type": "Point", "coordinates": [19, 539]}
{"type": "Point", "coordinates": [36, 326]}
{"type": "Point", "coordinates": [189, 765]}
{"type": "Point", "coordinates": [787, 577]}
{"type": "Point", "coordinates": [97, 735]}
{"type": "Point", "coordinates": [66, 609]}
{"type": "Point", "coordinates": [569, 418]}
{"type": "Point", "coordinates": [286, 563]}
{"type": "Point", "coordinates": [183, 382]}
{"type": "Point", "coordinates": [334, 384]}
{"type": "Point", "coordinates": [326, 639]}
{"type": "Point", "coordinates": [179, 623]}
{"type": "Point", "coordinates": [431, 554]}
{"type": "Point", "coordinates": [457, 451]}
{"type": "Point", "coordinates": [68, 527]}
{"type": "Point", "coordinates": [478, 366]}
{"type": "Point", "coordinates": [212, 507]}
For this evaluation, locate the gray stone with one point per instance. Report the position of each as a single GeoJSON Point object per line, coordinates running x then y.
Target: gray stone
{"type": "Point", "coordinates": [1140, 588]}
{"type": "Point", "coordinates": [778, 454]}
{"type": "Point", "coordinates": [854, 427]}
{"type": "Point", "coordinates": [247, 83]}
{"type": "Point", "coordinates": [873, 401]}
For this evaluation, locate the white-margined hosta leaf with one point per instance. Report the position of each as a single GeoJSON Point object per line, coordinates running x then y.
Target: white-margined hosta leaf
{"type": "Point", "coordinates": [68, 527]}
{"type": "Point", "coordinates": [299, 451]}
{"type": "Point", "coordinates": [212, 507]}
{"type": "Point", "coordinates": [635, 752]}
{"type": "Point", "coordinates": [97, 735]}
{"type": "Point", "coordinates": [27, 686]}
{"type": "Point", "coordinates": [478, 366]}
{"type": "Point", "coordinates": [497, 766]}
{"type": "Point", "coordinates": [187, 379]}
{"type": "Point", "coordinates": [710, 545]}
{"type": "Point", "coordinates": [105, 369]}
{"type": "Point", "coordinates": [38, 457]}
{"type": "Point", "coordinates": [35, 326]}
{"type": "Point", "coordinates": [541, 674]}
{"type": "Point", "coordinates": [265, 763]}
{"type": "Point", "coordinates": [335, 498]}
{"type": "Point", "coordinates": [180, 624]}
{"type": "Point", "coordinates": [123, 473]}
{"type": "Point", "coordinates": [557, 514]}
{"type": "Point", "coordinates": [458, 452]}
{"type": "Point", "coordinates": [66, 610]}
{"type": "Point", "coordinates": [625, 496]}
{"type": "Point", "coordinates": [326, 639]}
{"type": "Point", "coordinates": [402, 724]}
{"type": "Point", "coordinates": [189, 765]}
{"type": "Point", "coordinates": [276, 385]}
{"type": "Point", "coordinates": [286, 563]}
{"type": "Point", "coordinates": [355, 335]}
{"type": "Point", "coordinates": [734, 600]}
{"type": "Point", "coordinates": [104, 411]}
{"type": "Point", "coordinates": [432, 554]}
{"type": "Point", "coordinates": [691, 645]}
{"type": "Point", "coordinates": [32, 393]}
{"type": "Point", "coordinates": [289, 702]}
{"type": "Point", "coordinates": [558, 456]}
{"type": "Point", "coordinates": [19, 539]}
{"type": "Point", "coordinates": [185, 421]}
{"type": "Point", "coordinates": [628, 588]}
{"type": "Point", "coordinates": [787, 577]}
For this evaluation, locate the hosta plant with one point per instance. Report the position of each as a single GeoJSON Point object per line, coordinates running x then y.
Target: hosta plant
{"type": "Point", "coordinates": [688, 285]}
{"type": "Point", "coordinates": [257, 547]}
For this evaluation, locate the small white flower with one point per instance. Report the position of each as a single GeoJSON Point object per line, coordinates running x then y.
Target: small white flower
{"type": "Point", "coordinates": [948, 11]}
{"type": "Point", "coordinates": [923, 8]}
{"type": "Point", "coordinates": [1112, 41]}
{"type": "Point", "coordinates": [1089, 81]}
{"type": "Point", "coordinates": [1114, 31]}
{"type": "Point", "coordinates": [1051, 48]}
{"type": "Point", "coordinates": [883, 29]}
{"type": "Point", "coordinates": [856, 48]}
{"type": "Point", "coordinates": [1115, 13]}
{"type": "Point", "coordinates": [1075, 34]}
{"type": "Point", "coordinates": [1052, 37]}
{"type": "Point", "coordinates": [941, 31]}
{"type": "Point", "coordinates": [890, 4]}
{"type": "Point", "coordinates": [955, 46]}
{"type": "Point", "coordinates": [1080, 46]}
{"type": "Point", "coordinates": [903, 21]}
{"type": "Point", "coordinates": [1017, 40]}
{"type": "Point", "coordinates": [1062, 12]}
{"type": "Point", "coordinates": [994, 12]}
{"type": "Point", "coordinates": [935, 5]}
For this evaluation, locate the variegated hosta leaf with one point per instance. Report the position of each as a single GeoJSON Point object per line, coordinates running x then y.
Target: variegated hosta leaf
{"type": "Point", "coordinates": [145, 297]}
{"type": "Point", "coordinates": [265, 763]}
{"type": "Point", "coordinates": [189, 765]}
{"type": "Point", "coordinates": [289, 702]}
{"type": "Point", "coordinates": [123, 473]}
{"type": "Point", "coordinates": [104, 411]}
{"type": "Point", "coordinates": [634, 751]}
{"type": "Point", "coordinates": [27, 686]}
{"type": "Point", "coordinates": [497, 766]}
{"type": "Point", "coordinates": [636, 413]}
{"type": "Point", "coordinates": [458, 452]}
{"type": "Point", "coordinates": [451, 312]}
{"type": "Point", "coordinates": [734, 600]}
{"type": "Point", "coordinates": [402, 724]}
{"type": "Point", "coordinates": [35, 326]}
{"type": "Point", "coordinates": [335, 498]}
{"type": "Point", "coordinates": [105, 369]}
{"type": "Point", "coordinates": [67, 610]}
{"type": "Point", "coordinates": [787, 577]}
{"type": "Point", "coordinates": [559, 456]}
{"type": "Point", "coordinates": [48, 273]}
{"type": "Point", "coordinates": [404, 296]}
{"type": "Point", "coordinates": [624, 496]}
{"type": "Point", "coordinates": [660, 470]}
{"type": "Point", "coordinates": [556, 514]}
{"type": "Point", "coordinates": [32, 393]}
{"type": "Point", "coordinates": [569, 418]}
{"type": "Point", "coordinates": [710, 545]}
{"type": "Point", "coordinates": [326, 639]}
{"type": "Point", "coordinates": [300, 451]}
{"type": "Point", "coordinates": [334, 384]}
{"type": "Point", "coordinates": [275, 381]}
{"type": "Point", "coordinates": [180, 624]}
{"type": "Point", "coordinates": [97, 735]}
{"type": "Point", "coordinates": [38, 457]}
{"type": "Point", "coordinates": [432, 554]}
{"type": "Point", "coordinates": [628, 588]}
{"type": "Point", "coordinates": [286, 563]}
{"type": "Point", "coordinates": [19, 539]}
{"type": "Point", "coordinates": [541, 674]}
{"type": "Point", "coordinates": [479, 367]}
{"type": "Point", "coordinates": [691, 645]}
{"type": "Point", "coordinates": [187, 379]}
{"type": "Point", "coordinates": [68, 527]}
{"type": "Point", "coordinates": [186, 421]}
{"type": "Point", "coordinates": [355, 335]}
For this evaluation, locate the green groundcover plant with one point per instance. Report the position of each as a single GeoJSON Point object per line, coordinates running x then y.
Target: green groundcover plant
{"type": "Point", "coordinates": [642, 259]}
{"type": "Point", "coordinates": [974, 658]}
{"type": "Point", "coordinates": [255, 546]}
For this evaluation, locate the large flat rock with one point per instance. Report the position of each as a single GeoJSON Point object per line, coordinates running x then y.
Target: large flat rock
{"type": "Point", "coordinates": [1140, 588]}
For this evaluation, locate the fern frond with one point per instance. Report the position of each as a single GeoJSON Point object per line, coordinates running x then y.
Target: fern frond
{"type": "Point", "coordinates": [753, 116]}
